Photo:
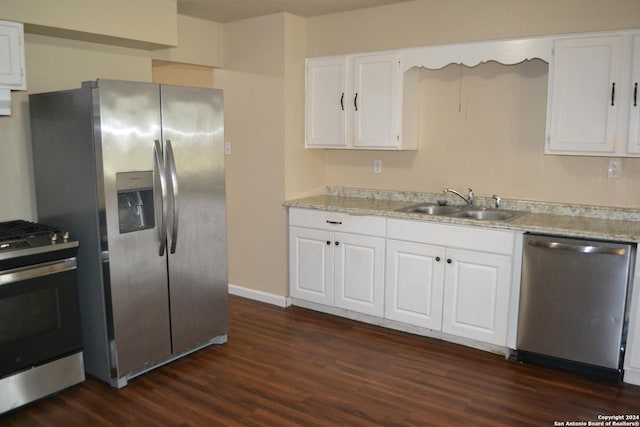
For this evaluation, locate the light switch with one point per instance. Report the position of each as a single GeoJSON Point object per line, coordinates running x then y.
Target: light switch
{"type": "Point", "coordinates": [227, 148]}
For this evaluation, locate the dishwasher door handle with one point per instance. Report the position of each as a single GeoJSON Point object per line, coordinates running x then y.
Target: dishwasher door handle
{"type": "Point", "coordinates": [584, 249]}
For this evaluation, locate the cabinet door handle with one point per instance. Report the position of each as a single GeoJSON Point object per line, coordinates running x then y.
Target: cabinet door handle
{"type": "Point", "coordinates": [328, 242]}
{"type": "Point", "coordinates": [355, 101]}
{"type": "Point", "coordinates": [449, 261]}
{"type": "Point", "coordinates": [334, 222]}
{"type": "Point", "coordinates": [342, 101]}
{"type": "Point", "coordinates": [635, 94]}
{"type": "Point", "coordinates": [613, 93]}
{"type": "Point", "coordinates": [337, 243]}
{"type": "Point", "coordinates": [437, 259]}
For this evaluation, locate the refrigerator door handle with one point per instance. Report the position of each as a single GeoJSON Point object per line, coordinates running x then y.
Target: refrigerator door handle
{"type": "Point", "coordinates": [174, 196]}
{"type": "Point", "coordinates": [162, 228]}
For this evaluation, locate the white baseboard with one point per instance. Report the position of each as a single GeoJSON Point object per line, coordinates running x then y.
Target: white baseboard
{"type": "Point", "coordinates": [278, 300]}
{"type": "Point", "coordinates": [632, 376]}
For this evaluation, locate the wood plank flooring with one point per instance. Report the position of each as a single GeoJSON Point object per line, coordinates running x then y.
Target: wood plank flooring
{"type": "Point", "coordinates": [295, 367]}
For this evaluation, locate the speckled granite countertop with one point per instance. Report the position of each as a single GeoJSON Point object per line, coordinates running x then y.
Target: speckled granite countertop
{"type": "Point", "coordinates": [618, 224]}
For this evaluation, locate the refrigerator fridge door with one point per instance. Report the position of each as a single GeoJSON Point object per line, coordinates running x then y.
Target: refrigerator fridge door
{"type": "Point", "coordinates": [127, 123]}
{"type": "Point", "coordinates": [193, 140]}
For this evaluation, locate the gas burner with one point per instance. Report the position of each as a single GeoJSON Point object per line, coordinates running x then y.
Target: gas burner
{"type": "Point", "coordinates": [23, 238]}
{"type": "Point", "coordinates": [20, 229]}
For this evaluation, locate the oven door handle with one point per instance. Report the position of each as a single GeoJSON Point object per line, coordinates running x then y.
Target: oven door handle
{"type": "Point", "coordinates": [38, 270]}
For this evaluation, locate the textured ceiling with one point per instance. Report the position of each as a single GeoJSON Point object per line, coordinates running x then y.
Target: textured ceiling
{"type": "Point", "coordinates": [233, 10]}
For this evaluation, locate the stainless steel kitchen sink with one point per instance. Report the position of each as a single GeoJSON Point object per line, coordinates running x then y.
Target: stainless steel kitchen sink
{"type": "Point", "coordinates": [429, 209]}
{"type": "Point", "coordinates": [487, 214]}
{"type": "Point", "coordinates": [470, 212]}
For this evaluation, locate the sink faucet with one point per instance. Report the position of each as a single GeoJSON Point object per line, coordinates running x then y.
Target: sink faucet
{"type": "Point", "coordinates": [468, 200]}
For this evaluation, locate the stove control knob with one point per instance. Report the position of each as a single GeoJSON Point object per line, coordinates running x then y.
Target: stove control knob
{"type": "Point", "coordinates": [54, 237]}
{"type": "Point", "coordinates": [65, 236]}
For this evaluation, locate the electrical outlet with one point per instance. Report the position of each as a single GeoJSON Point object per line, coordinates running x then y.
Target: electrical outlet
{"type": "Point", "coordinates": [615, 168]}
{"type": "Point", "coordinates": [377, 166]}
{"type": "Point", "coordinates": [227, 148]}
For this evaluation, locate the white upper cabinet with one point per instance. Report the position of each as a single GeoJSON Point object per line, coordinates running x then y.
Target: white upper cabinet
{"type": "Point", "coordinates": [376, 84]}
{"type": "Point", "coordinates": [12, 75]}
{"type": "Point", "coordinates": [354, 102]}
{"type": "Point", "coordinates": [326, 117]}
{"type": "Point", "coordinates": [591, 97]}
{"type": "Point", "coordinates": [634, 114]}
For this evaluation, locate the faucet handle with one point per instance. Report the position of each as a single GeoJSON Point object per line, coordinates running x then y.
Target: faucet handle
{"type": "Point", "coordinates": [471, 196]}
{"type": "Point", "coordinates": [497, 199]}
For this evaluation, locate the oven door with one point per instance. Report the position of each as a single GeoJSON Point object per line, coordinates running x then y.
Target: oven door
{"type": "Point", "coordinates": [39, 314]}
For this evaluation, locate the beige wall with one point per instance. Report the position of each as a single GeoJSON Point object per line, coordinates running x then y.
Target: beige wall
{"type": "Point", "coordinates": [495, 144]}
{"type": "Point", "coordinates": [172, 73]}
{"type": "Point", "coordinates": [148, 24]}
{"type": "Point", "coordinates": [199, 43]}
{"type": "Point", "coordinates": [432, 22]}
{"type": "Point", "coordinates": [304, 169]}
{"type": "Point", "coordinates": [253, 84]}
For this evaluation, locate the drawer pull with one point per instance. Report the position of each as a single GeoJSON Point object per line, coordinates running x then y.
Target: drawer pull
{"type": "Point", "coordinates": [334, 222]}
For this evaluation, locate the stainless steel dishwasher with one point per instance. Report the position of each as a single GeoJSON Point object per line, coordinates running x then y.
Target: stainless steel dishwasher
{"type": "Point", "coordinates": [573, 304]}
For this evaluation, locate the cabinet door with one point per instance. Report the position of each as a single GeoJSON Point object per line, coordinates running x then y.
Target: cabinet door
{"type": "Point", "coordinates": [476, 295]}
{"type": "Point", "coordinates": [375, 101]}
{"type": "Point", "coordinates": [311, 254]}
{"type": "Point", "coordinates": [414, 283]}
{"type": "Point", "coordinates": [634, 116]}
{"type": "Point", "coordinates": [584, 82]}
{"type": "Point", "coordinates": [326, 102]}
{"type": "Point", "coordinates": [359, 273]}
{"type": "Point", "coordinates": [12, 56]}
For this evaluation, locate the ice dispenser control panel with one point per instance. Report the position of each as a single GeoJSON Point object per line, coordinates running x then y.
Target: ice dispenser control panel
{"type": "Point", "coordinates": [135, 201]}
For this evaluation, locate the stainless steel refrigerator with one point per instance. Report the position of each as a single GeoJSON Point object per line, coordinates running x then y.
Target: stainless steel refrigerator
{"type": "Point", "coordinates": [135, 172]}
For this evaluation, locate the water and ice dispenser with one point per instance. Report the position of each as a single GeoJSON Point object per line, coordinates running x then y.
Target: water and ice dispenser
{"type": "Point", "coordinates": [135, 201]}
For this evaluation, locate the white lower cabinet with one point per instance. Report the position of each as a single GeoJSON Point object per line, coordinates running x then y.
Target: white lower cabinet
{"type": "Point", "coordinates": [337, 260]}
{"type": "Point", "coordinates": [311, 264]}
{"type": "Point", "coordinates": [359, 273]}
{"type": "Point", "coordinates": [476, 295]}
{"type": "Point", "coordinates": [447, 278]}
{"type": "Point", "coordinates": [453, 279]}
{"type": "Point", "coordinates": [414, 283]}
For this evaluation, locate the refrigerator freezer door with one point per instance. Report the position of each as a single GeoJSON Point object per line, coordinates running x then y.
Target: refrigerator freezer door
{"type": "Point", "coordinates": [128, 120]}
{"type": "Point", "coordinates": [193, 134]}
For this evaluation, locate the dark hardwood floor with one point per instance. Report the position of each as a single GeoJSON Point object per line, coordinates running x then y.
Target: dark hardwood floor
{"type": "Point", "coordinates": [295, 367]}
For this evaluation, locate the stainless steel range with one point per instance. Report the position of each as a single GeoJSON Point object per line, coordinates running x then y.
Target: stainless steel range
{"type": "Point", "coordinates": [40, 332]}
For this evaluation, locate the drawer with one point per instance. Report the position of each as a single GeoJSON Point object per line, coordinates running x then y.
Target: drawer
{"type": "Point", "coordinates": [337, 221]}
{"type": "Point", "coordinates": [452, 236]}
